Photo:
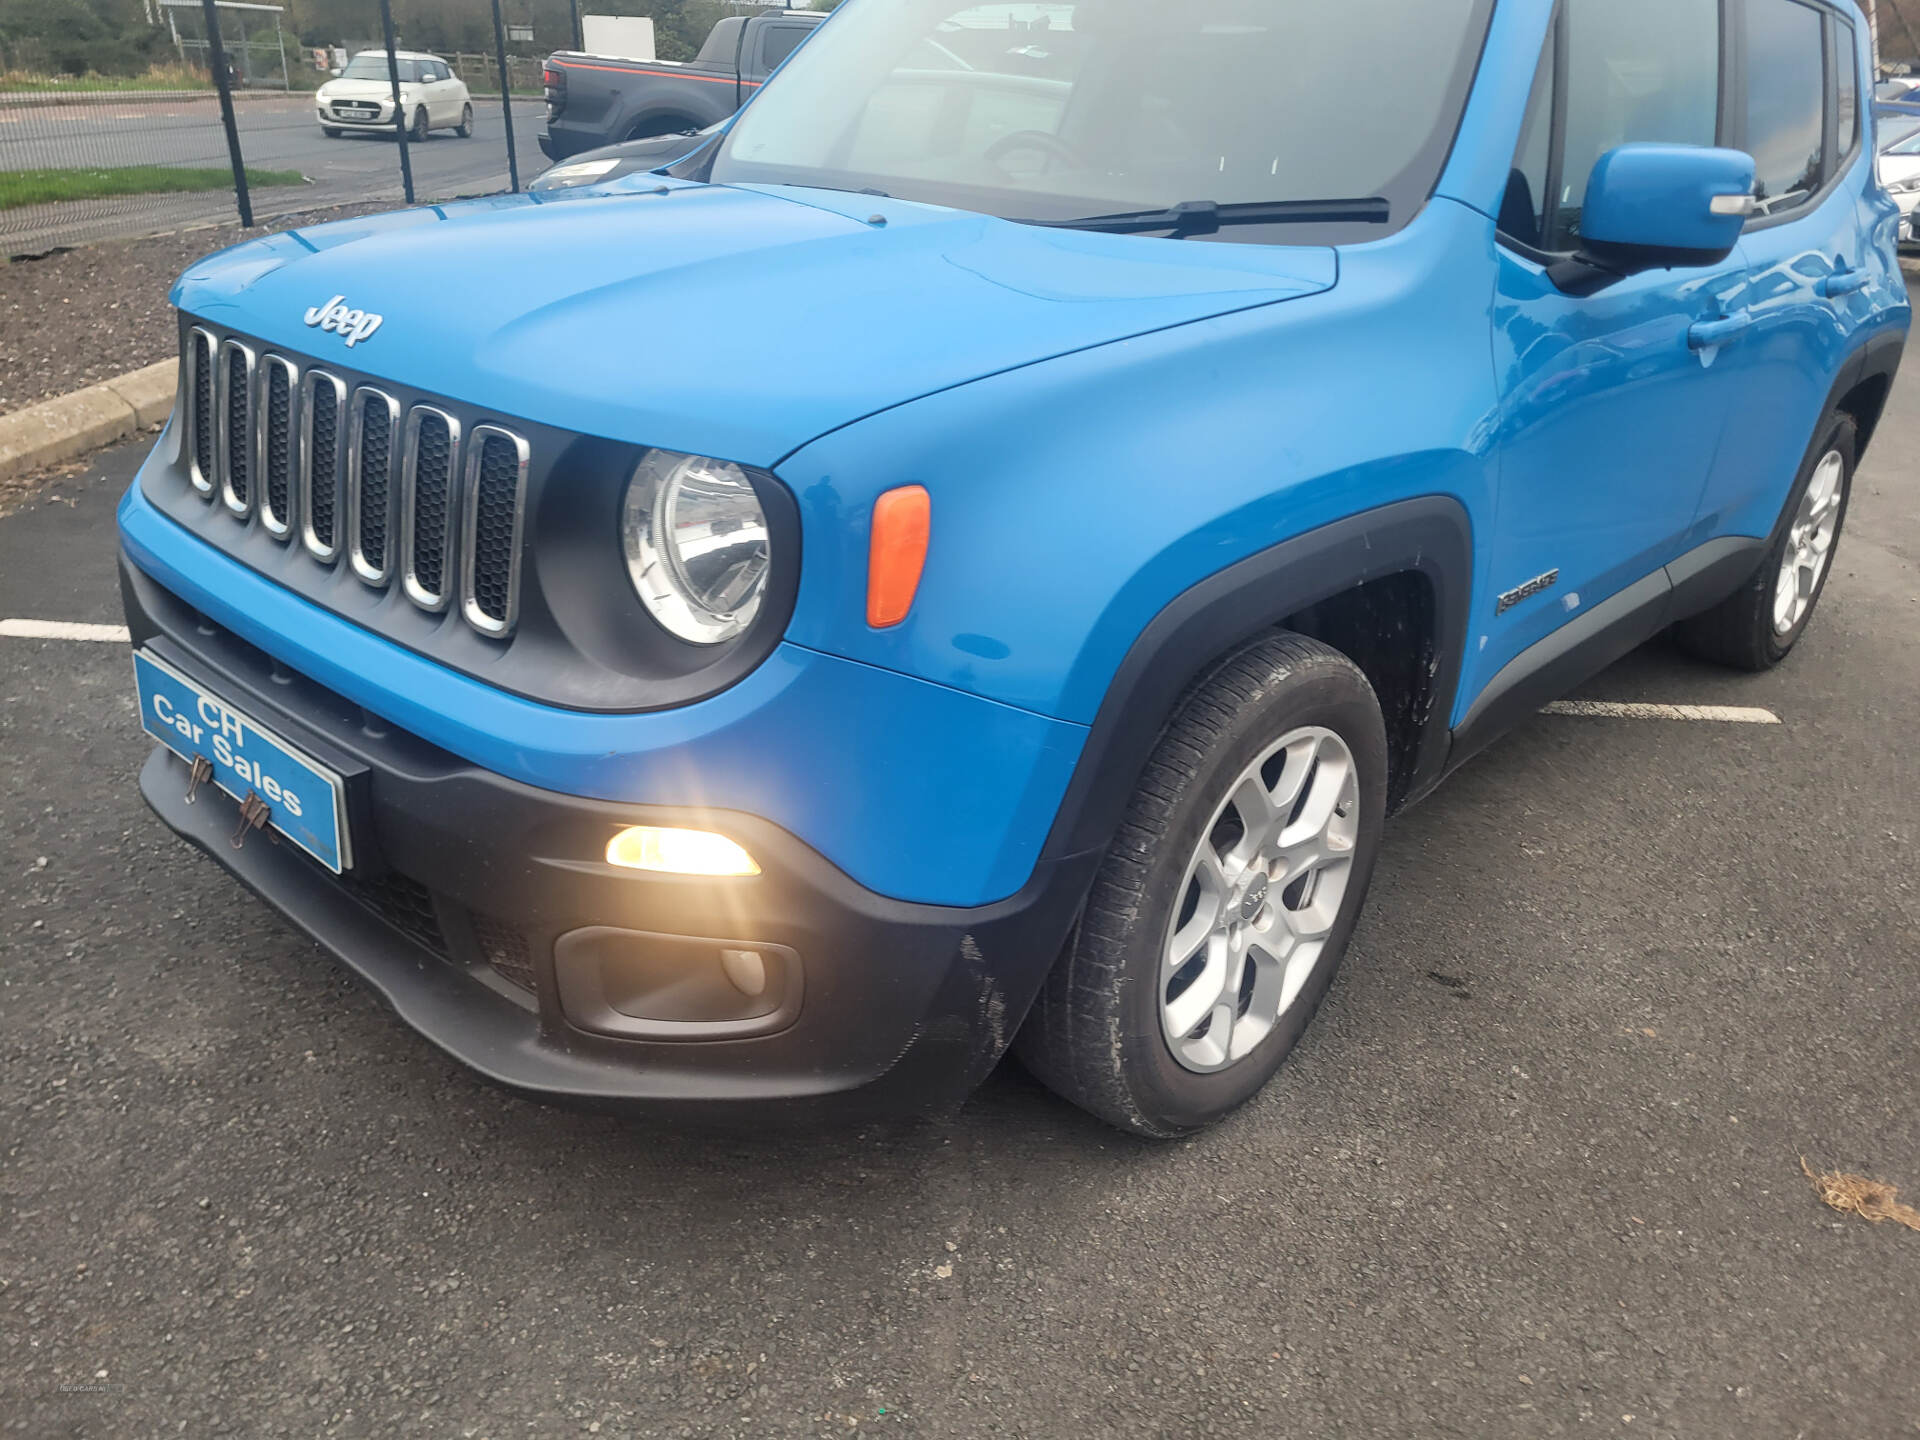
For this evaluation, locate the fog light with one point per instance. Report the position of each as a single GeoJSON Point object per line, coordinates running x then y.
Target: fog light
{"type": "Point", "coordinates": [678, 852]}
{"type": "Point", "coordinates": [747, 970]}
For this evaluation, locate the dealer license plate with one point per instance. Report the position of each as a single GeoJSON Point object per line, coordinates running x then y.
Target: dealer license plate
{"type": "Point", "coordinates": [275, 783]}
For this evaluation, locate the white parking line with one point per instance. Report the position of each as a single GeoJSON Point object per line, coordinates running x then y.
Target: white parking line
{"type": "Point", "coordinates": [64, 630]}
{"type": "Point", "coordinates": [1619, 710]}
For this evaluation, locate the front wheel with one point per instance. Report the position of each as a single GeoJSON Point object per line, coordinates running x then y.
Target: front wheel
{"type": "Point", "coordinates": [332, 132]}
{"type": "Point", "coordinates": [419, 135]}
{"type": "Point", "coordinates": [1757, 626]}
{"type": "Point", "coordinates": [1222, 910]}
{"type": "Point", "coordinates": [465, 128]}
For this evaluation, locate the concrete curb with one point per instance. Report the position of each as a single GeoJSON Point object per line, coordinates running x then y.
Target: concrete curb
{"type": "Point", "coordinates": [72, 425]}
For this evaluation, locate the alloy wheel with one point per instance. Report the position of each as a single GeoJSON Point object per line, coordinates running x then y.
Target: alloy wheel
{"type": "Point", "coordinates": [1809, 545]}
{"type": "Point", "coordinates": [1260, 899]}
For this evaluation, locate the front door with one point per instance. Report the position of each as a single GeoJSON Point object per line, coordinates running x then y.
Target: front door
{"type": "Point", "coordinates": [1612, 403]}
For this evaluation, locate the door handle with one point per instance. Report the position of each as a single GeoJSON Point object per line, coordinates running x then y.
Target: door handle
{"type": "Point", "coordinates": [1709, 333]}
{"type": "Point", "coordinates": [1842, 282]}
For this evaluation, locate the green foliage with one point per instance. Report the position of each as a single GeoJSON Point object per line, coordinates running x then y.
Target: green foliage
{"type": "Point", "coordinates": [72, 37]}
{"type": "Point", "coordinates": [34, 187]}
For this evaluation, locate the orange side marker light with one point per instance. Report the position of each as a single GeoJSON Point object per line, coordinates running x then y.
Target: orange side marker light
{"type": "Point", "coordinates": [902, 526]}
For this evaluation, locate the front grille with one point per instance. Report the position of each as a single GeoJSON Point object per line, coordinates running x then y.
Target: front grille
{"type": "Point", "coordinates": [426, 504]}
{"type": "Point", "coordinates": [234, 400]}
{"type": "Point", "coordinates": [370, 482]}
{"type": "Point", "coordinates": [399, 491]}
{"type": "Point", "coordinates": [277, 381]}
{"type": "Point", "coordinates": [200, 383]}
{"type": "Point", "coordinates": [505, 948]}
{"type": "Point", "coordinates": [405, 904]}
{"type": "Point", "coordinates": [322, 397]}
{"type": "Point", "coordinates": [496, 495]}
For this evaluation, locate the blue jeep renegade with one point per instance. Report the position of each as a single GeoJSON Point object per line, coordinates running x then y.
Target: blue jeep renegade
{"type": "Point", "coordinates": [971, 557]}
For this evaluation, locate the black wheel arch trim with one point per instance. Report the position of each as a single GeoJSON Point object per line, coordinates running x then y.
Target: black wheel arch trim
{"type": "Point", "coordinates": [1431, 537]}
{"type": "Point", "coordinates": [1877, 358]}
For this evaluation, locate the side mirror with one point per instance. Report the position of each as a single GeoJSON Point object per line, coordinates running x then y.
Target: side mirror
{"type": "Point", "coordinates": [1663, 207]}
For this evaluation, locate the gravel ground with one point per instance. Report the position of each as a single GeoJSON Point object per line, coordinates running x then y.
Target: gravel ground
{"type": "Point", "coordinates": [77, 317]}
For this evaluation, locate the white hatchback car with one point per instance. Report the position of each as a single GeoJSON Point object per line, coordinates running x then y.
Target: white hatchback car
{"type": "Point", "coordinates": [1899, 171]}
{"type": "Point", "coordinates": [432, 97]}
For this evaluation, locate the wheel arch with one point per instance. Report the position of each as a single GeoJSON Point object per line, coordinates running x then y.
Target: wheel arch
{"type": "Point", "coordinates": [661, 120]}
{"type": "Point", "coordinates": [1866, 382]}
{"type": "Point", "coordinates": [1391, 584]}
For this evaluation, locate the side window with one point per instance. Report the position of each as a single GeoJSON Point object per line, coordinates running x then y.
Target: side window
{"type": "Point", "coordinates": [1786, 101]}
{"type": "Point", "coordinates": [1846, 89]}
{"type": "Point", "coordinates": [1636, 71]}
{"type": "Point", "coordinates": [1523, 213]}
{"type": "Point", "coordinates": [781, 41]}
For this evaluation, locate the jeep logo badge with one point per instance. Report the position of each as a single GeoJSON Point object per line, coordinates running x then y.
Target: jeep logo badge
{"type": "Point", "coordinates": [356, 325]}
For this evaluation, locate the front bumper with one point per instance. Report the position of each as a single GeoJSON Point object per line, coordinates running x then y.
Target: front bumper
{"type": "Point", "coordinates": [334, 119]}
{"type": "Point", "coordinates": [465, 881]}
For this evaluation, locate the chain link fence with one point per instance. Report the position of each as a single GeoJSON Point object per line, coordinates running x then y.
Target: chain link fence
{"type": "Point", "coordinates": [86, 157]}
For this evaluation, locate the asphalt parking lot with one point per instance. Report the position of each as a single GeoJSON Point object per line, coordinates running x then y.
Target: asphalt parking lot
{"type": "Point", "coordinates": [1535, 1172]}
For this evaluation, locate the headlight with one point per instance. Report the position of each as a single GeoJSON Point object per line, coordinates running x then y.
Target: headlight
{"type": "Point", "coordinates": [584, 172]}
{"type": "Point", "coordinates": [697, 545]}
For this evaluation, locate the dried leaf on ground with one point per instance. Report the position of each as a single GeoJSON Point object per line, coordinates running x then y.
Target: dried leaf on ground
{"type": "Point", "coordinates": [1873, 1200]}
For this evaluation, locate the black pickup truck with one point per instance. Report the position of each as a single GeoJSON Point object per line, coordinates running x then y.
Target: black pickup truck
{"type": "Point", "coordinates": [595, 100]}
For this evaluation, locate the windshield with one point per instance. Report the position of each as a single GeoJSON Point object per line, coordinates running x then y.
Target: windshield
{"type": "Point", "coordinates": [1076, 108]}
{"type": "Point", "coordinates": [374, 67]}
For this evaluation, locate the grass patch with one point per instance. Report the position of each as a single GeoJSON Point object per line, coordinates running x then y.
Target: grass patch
{"type": "Point", "coordinates": [38, 187]}
{"type": "Point", "coordinates": [160, 77]}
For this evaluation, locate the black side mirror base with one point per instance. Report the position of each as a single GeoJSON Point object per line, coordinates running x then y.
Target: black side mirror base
{"type": "Point", "coordinates": [1598, 265]}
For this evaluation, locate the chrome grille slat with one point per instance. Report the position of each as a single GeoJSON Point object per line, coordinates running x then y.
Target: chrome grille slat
{"type": "Point", "coordinates": [274, 425]}
{"type": "Point", "coordinates": [493, 516]}
{"type": "Point", "coordinates": [371, 430]}
{"type": "Point", "coordinates": [323, 403]}
{"type": "Point", "coordinates": [202, 350]}
{"type": "Point", "coordinates": [407, 493]}
{"type": "Point", "coordinates": [233, 425]}
{"type": "Point", "coordinates": [430, 455]}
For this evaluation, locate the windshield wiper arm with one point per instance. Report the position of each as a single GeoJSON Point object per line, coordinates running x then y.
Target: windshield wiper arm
{"type": "Point", "coordinates": [1207, 217]}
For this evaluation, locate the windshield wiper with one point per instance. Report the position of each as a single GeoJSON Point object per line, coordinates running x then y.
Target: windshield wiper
{"type": "Point", "coordinates": [1207, 217]}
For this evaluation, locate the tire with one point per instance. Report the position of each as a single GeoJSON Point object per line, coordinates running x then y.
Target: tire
{"type": "Point", "coordinates": [1109, 1029]}
{"type": "Point", "coordinates": [330, 131]}
{"type": "Point", "coordinates": [419, 132]}
{"type": "Point", "coordinates": [1756, 627]}
{"type": "Point", "coordinates": [465, 128]}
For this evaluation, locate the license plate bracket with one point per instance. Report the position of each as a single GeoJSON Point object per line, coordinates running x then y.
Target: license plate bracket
{"type": "Point", "coordinates": [305, 800]}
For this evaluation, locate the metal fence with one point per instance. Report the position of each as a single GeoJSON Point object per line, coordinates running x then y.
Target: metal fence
{"type": "Point", "coordinates": [228, 127]}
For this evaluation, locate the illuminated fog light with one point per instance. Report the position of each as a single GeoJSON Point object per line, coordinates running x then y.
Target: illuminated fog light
{"type": "Point", "coordinates": [678, 852]}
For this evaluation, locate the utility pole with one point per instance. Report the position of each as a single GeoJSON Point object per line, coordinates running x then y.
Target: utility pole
{"type": "Point", "coordinates": [399, 110]}
{"type": "Point", "coordinates": [223, 81]}
{"type": "Point", "coordinates": [506, 94]}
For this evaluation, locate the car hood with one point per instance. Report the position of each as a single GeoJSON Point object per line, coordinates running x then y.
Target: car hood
{"type": "Point", "coordinates": [362, 89]}
{"type": "Point", "coordinates": [738, 322]}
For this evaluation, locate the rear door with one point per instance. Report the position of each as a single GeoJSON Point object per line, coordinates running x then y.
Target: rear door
{"type": "Point", "coordinates": [447, 97]}
{"type": "Point", "coordinates": [1799, 70]}
{"type": "Point", "coordinates": [1610, 419]}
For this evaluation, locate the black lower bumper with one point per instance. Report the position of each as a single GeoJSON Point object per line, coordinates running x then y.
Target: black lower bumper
{"type": "Point", "coordinates": [465, 883]}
